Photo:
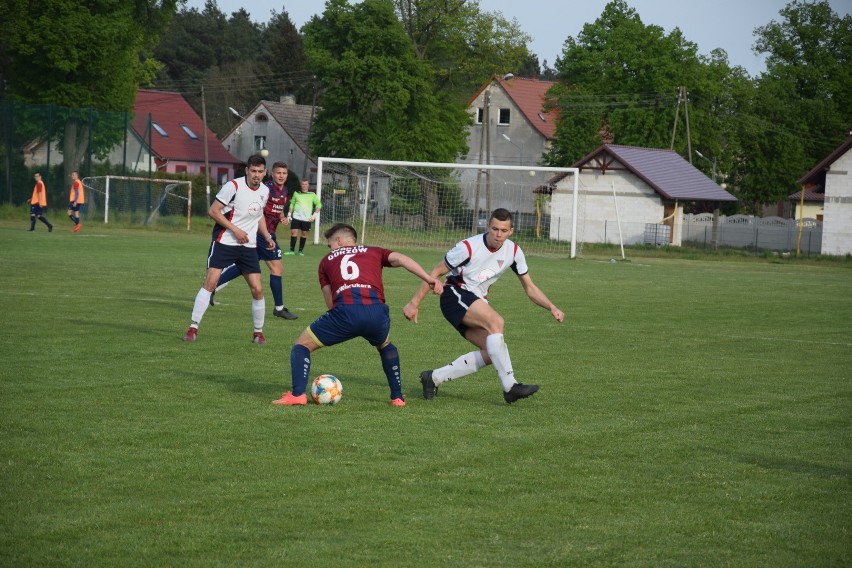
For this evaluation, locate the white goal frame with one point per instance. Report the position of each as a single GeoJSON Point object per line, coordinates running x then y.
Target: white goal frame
{"type": "Point", "coordinates": [574, 172]}
{"type": "Point", "coordinates": [147, 179]}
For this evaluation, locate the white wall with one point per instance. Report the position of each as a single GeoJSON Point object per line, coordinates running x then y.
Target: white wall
{"type": "Point", "coordinates": [837, 219]}
{"type": "Point", "coordinates": [638, 205]}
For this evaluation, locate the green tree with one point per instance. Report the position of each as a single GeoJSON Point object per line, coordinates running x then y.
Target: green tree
{"type": "Point", "coordinates": [620, 78]}
{"type": "Point", "coordinates": [378, 98]}
{"type": "Point", "coordinates": [802, 107]}
{"type": "Point", "coordinates": [90, 55]}
{"type": "Point", "coordinates": [464, 45]}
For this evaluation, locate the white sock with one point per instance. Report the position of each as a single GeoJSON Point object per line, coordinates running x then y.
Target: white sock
{"type": "Point", "coordinates": [258, 313]}
{"type": "Point", "coordinates": [465, 365]}
{"type": "Point", "coordinates": [499, 354]}
{"type": "Point", "coordinates": [202, 302]}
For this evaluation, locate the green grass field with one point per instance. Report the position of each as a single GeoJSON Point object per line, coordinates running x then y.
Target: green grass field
{"type": "Point", "coordinates": [691, 413]}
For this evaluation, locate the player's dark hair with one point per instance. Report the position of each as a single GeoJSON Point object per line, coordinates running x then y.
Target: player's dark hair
{"type": "Point", "coordinates": [256, 160]}
{"type": "Point", "coordinates": [502, 215]}
{"type": "Point", "coordinates": [280, 165]}
{"type": "Point", "coordinates": [343, 229]}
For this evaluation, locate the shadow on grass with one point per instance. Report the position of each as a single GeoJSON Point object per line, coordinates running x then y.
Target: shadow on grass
{"type": "Point", "coordinates": [793, 466]}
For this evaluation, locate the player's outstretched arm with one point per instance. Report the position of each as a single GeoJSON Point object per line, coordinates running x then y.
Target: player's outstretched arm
{"type": "Point", "coordinates": [398, 259]}
{"type": "Point", "coordinates": [412, 308]}
{"type": "Point", "coordinates": [538, 297]}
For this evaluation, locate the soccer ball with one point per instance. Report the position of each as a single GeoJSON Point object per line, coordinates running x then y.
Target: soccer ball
{"type": "Point", "coordinates": [326, 389]}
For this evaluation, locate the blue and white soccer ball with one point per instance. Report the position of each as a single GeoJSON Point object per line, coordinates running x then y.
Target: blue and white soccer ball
{"type": "Point", "coordinates": [326, 389]}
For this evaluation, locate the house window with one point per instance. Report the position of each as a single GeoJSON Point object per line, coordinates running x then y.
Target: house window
{"type": "Point", "coordinates": [159, 130]}
{"type": "Point", "coordinates": [189, 132]}
{"type": "Point", "coordinates": [505, 116]}
{"type": "Point", "coordinates": [180, 169]}
{"type": "Point", "coordinates": [480, 112]}
{"type": "Point", "coordinates": [259, 143]}
{"type": "Point", "coordinates": [260, 117]}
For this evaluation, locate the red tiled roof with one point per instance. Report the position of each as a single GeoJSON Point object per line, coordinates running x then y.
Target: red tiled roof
{"type": "Point", "coordinates": [529, 96]}
{"type": "Point", "coordinates": [170, 111]}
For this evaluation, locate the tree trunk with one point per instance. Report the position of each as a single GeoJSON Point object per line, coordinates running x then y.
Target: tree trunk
{"type": "Point", "coordinates": [74, 148]}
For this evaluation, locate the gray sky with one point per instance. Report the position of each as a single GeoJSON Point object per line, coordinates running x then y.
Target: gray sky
{"type": "Point", "coordinates": [728, 24]}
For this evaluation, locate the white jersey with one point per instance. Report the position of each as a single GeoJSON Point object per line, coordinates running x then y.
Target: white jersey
{"type": "Point", "coordinates": [244, 208]}
{"type": "Point", "coordinates": [475, 267]}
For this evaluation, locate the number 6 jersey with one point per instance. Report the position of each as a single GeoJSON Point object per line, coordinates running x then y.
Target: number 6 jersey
{"type": "Point", "coordinates": [355, 274]}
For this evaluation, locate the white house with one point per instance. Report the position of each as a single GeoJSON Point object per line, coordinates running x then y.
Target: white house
{"type": "Point", "coordinates": [629, 194]}
{"type": "Point", "coordinates": [510, 128]}
{"type": "Point", "coordinates": [832, 177]}
{"type": "Point", "coordinates": [282, 128]}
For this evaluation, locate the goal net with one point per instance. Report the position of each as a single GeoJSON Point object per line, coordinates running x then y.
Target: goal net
{"type": "Point", "coordinates": [435, 205]}
{"type": "Point", "coordinates": [139, 200]}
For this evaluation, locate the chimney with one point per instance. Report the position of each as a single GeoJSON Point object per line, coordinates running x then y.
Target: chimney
{"type": "Point", "coordinates": [288, 99]}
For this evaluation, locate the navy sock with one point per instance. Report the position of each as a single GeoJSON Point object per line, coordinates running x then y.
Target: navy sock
{"type": "Point", "coordinates": [72, 218]}
{"type": "Point", "coordinates": [44, 220]}
{"type": "Point", "coordinates": [32, 223]}
{"type": "Point", "coordinates": [275, 285]}
{"type": "Point", "coordinates": [300, 368]}
{"type": "Point", "coordinates": [390, 364]}
{"type": "Point", "coordinates": [228, 274]}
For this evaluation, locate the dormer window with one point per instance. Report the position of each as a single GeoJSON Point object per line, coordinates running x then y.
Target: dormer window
{"type": "Point", "coordinates": [189, 131]}
{"type": "Point", "coordinates": [159, 130]}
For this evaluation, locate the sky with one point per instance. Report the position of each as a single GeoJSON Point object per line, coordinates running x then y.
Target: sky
{"type": "Point", "coordinates": [728, 24]}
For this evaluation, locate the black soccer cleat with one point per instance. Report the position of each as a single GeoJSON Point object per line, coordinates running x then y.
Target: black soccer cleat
{"type": "Point", "coordinates": [284, 313]}
{"type": "Point", "coordinates": [213, 293]}
{"type": "Point", "coordinates": [519, 391]}
{"type": "Point", "coordinates": [429, 386]}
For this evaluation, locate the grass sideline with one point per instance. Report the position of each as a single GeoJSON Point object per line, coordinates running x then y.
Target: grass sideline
{"type": "Point", "coordinates": [691, 414]}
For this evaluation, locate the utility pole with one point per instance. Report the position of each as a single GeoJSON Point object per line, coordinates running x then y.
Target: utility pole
{"type": "Point", "coordinates": [682, 96]}
{"type": "Point", "coordinates": [206, 157]}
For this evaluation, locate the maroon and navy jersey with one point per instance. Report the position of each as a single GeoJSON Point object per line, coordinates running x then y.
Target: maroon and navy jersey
{"type": "Point", "coordinates": [279, 202]}
{"type": "Point", "coordinates": [355, 274]}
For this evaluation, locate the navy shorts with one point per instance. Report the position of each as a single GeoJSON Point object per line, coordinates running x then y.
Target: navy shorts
{"type": "Point", "coordinates": [76, 207]}
{"type": "Point", "coordinates": [300, 225]}
{"type": "Point", "coordinates": [342, 323]}
{"type": "Point", "coordinates": [265, 254]}
{"type": "Point", "coordinates": [455, 302]}
{"type": "Point", "coordinates": [36, 210]}
{"type": "Point", "coordinates": [223, 256]}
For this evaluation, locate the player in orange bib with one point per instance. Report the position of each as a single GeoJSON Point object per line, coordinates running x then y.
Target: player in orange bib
{"type": "Point", "coordinates": [76, 201]}
{"type": "Point", "coordinates": [38, 203]}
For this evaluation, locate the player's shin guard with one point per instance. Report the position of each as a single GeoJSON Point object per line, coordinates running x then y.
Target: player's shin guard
{"type": "Point", "coordinates": [292, 243]}
{"type": "Point", "coordinates": [202, 302]}
{"type": "Point", "coordinates": [277, 290]}
{"type": "Point", "coordinates": [300, 368]}
{"type": "Point", "coordinates": [390, 364]}
{"type": "Point", "coordinates": [258, 313]}
{"type": "Point", "coordinates": [302, 241]}
{"type": "Point", "coordinates": [499, 354]}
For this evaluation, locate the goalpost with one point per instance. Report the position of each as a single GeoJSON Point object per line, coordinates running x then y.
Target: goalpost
{"type": "Point", "coordinates": [140, 200]}
{"type": "Point", "coordinates": [434, 205]}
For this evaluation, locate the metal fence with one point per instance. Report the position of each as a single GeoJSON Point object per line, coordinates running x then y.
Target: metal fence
{"type": "Point", "coordinates": [36, 138]}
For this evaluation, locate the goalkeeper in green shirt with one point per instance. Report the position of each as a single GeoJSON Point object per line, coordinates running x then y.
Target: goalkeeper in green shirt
{"type": "Point", "coordinates": [304, 206]}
